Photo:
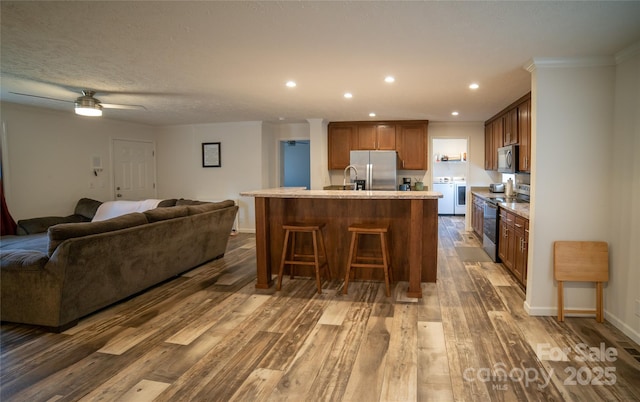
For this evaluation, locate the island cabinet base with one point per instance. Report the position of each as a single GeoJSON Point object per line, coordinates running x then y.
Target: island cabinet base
{"type": "Point", "coordinates": [413, 235]}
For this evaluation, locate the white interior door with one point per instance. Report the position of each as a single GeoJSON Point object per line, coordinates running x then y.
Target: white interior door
{"type": "Point", "coordinates": [134, 170]}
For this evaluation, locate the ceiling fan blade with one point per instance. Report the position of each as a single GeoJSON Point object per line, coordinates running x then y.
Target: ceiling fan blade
{"type": "Point", "coordinates": [117, 106]}
{"type": "Point", "coordinates": [41, 97]}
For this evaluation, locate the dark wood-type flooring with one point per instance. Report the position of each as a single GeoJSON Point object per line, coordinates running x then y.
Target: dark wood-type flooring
{"type": "Point", "coordinates": [209, 335]}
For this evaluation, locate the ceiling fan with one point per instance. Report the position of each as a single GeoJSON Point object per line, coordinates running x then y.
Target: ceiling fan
{"type": "Point", "coordinates": [87, 104]}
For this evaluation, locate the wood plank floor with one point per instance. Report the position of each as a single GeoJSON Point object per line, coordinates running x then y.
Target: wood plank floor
{"type": "Point", "coordinates": [209, 335]}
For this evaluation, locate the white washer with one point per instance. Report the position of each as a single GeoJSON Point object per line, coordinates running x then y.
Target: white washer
{"type": "Point", "coordinates": [445, 186]}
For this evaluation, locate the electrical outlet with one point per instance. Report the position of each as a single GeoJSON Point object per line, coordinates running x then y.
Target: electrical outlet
{"type": "Point", "coordinates": [638, 308]}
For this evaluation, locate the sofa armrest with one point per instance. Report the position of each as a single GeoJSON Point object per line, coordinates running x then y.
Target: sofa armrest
{"type": "Point", "coordinates": [40, 225]}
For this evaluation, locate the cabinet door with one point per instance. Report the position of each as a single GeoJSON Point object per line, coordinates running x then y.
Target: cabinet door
{"type": "Point", "coordinates": [511, 127]}
{"type": "Point", "coordinates": [386, 137]}
{"type": "Point", "coordinates": [524, 136]}
{"type": "Point", "coordinates": [503, 243]}
{"type": "Point", "coordinates": [340, 141]}
{"type": "Point", "coordinates": [488, 147]}
{"type": "Point", "coordinates": [498, 140]}
{"type": "Point", "coordinates": [366, 137]}
{"type": "Point", "coordinates": [411, 142]}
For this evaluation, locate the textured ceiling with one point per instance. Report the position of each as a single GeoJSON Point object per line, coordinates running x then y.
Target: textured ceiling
{"type": "Point", "coordinates": [209, 61]}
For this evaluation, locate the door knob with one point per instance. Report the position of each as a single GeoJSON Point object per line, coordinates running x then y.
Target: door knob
{"type": "Point", "coordinates": [118, 195]}
{"type": "Point", "coordinates": [118, 188]}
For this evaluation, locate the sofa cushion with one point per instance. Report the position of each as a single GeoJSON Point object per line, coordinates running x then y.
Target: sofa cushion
{"type": "Point", "coordinates": [183, 201]}
{"type": "Point", "coordinates": [160, 214]}
{"type": "Point", "coordinates": [167, 203]}
{"type": "Point", "coordinates": [37, 242]}
{"type": "Point", "coordinates": [23, 259]}
{"type": "Point", "coordinates": [87, 207]}
{"type": "Point", "coordinates": [209, 206]}
{"type": "Point", "coordinates": [41, 224]}
{"type": "Point", "coordinates": [62, 232]}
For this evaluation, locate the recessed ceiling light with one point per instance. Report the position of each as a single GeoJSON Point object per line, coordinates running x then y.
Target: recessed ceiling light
{"type": "Point", "coordinates": [348, 95]}
{"type": "Point", "coordinates": [454, 113]}
{"type": "Point", "coordinates": [389, 79]}
{"type": "Point", "coordinates": [291, 84]}
{"type": "Point", "coordinates": [372, 114]}
{"type": "Point", "coordinates": [474, 86]}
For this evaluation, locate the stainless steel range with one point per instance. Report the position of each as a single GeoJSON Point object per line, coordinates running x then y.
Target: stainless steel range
{"type": "Point", "coordinates": [490, 228]}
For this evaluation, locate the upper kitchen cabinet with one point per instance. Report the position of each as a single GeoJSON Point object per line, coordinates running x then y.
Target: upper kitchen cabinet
{"type": "Point", "coordinates": [512, 126]}
{"type": "Point", "coordinates": [408, 138]}
{"type": "Point", "coordinates": [411, 144]}
{"type": "Point", "coordinates": [524, 135]}
{"type": "Point", "coordinates": [375, 136]}
{"type": "Point", "coordinates": [493, 139]}
{"type": "Point", "coordinates": [342, 138]}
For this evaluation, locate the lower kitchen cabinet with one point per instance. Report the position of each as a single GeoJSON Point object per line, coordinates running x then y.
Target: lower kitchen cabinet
{"type": "Point", "coordinates": [477, 215]}
{"type": "Point", "coordinates": [513, 244]}
{"type": "Point", "coordinates": [521, 230]}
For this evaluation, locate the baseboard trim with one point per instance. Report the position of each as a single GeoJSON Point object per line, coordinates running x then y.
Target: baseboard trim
{"type": "Point", "coordinates": [613, 320]}
{"type": "Point", "coordinates": [625, 328]}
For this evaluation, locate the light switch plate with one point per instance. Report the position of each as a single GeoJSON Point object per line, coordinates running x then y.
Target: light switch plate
{"type": "Point", "coordinates": [638, 308]}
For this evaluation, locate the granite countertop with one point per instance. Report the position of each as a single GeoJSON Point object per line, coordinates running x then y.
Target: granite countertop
{"type": "Point", "coordinates": [301, 192]}
{"type": "Point", "coordinates": [519, 208]}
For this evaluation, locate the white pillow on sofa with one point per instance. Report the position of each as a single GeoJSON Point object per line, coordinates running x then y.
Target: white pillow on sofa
{"type": "Point", "coordinates": [111, 209]}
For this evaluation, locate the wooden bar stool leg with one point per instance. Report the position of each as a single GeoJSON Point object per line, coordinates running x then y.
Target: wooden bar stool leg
{"type": "Point", "coordinates": [349, 261]}
{"type": "Point", "coordinates": [385, 263]}
{"type": "Point", "coordinates": [292, 253]}
{"type": "Point", "coordinates": [324, 253]}
{"type": "Point", "coordinates": [282, 260]}
{"type": "Point", "coordinates": [316, 259]}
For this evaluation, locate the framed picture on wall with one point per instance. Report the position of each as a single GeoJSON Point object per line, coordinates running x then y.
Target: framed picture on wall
{"type": "Point", "coordinates": [211, 154]}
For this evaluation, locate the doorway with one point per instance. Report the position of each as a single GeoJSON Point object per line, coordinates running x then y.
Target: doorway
{"type": "Point", "coordinates": [134, 170]}
{"type": "Point", "coordinates": [295, 168]}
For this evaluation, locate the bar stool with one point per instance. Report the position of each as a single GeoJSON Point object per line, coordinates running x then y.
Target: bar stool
{"type": "Point", "coordinates": [359, 261]}
{"type": "Point", "coordinates": [293, 258]}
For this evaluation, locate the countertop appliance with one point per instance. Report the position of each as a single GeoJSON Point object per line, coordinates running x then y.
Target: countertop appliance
{"type": "Point", "coordinates": [379, 168]}
{"type": "Point", "coordinates": [508, 159]}
{"type": "Point", "coordinates": [496, 187]}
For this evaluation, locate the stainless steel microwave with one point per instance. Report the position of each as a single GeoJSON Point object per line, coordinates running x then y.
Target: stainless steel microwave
{"type": "Point", "coordinates": [508, 159]}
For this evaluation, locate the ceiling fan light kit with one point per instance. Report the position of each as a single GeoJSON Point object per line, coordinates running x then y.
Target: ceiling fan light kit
{"type": "Point", "coordinates": [87, 105]}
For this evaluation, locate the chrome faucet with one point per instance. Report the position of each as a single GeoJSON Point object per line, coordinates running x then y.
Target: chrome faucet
{"type": "Point", "coordinates": [344, 181]}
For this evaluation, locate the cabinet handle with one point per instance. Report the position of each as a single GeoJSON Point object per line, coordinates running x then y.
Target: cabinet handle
{"type": "Point", "coordinates": [518, 226]}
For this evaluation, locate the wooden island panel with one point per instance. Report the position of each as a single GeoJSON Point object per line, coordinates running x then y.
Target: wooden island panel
{"type": "Point", "coordinates": [413, 235]}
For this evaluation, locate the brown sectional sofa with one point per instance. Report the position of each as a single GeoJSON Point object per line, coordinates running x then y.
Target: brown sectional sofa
{"type": "Point", "coordinates": [52, 279]}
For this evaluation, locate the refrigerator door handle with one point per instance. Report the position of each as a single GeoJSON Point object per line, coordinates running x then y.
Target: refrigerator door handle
{"type": "Point", "coordinates": [370, 175]}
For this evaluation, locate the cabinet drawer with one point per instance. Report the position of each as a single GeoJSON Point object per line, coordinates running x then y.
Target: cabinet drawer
{"type": "Point", "coordinates": [520, 223]}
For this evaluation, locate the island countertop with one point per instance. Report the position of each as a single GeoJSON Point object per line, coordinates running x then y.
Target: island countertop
{"type": "Point", "coordinates": [411, 216]}
{"type": "Point", "coordinates": [301, 192]}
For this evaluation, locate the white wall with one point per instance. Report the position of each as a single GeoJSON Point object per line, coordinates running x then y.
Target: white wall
{"type": "Point", "coordinates": [48, 158]}
{"type": "Point", "coordinates": [623, 291]}
{"type": "Point", "coordinates": [180, 171]}
{"type": "Point", "coordinates": [576, 195]}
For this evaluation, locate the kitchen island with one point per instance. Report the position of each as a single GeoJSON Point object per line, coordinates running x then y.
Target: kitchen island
{"type": "Point", "coordinates": [412, 217]}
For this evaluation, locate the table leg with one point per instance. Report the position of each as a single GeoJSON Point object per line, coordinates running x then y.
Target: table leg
{"type": "Point", "coordinates": [263, 241]}
{"type": "Point", "coordinates": [415, 249]}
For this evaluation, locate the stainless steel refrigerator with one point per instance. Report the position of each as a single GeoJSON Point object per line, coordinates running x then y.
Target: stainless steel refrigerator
{"type": "Point", "coordinates": [378, 168]}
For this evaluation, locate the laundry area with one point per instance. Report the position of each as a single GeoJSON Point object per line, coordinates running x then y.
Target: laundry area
{"type": "Point", "coordinates": [449, 172]}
